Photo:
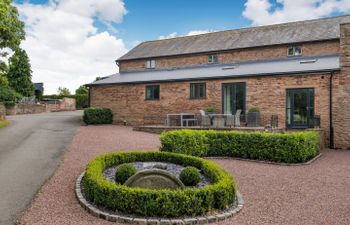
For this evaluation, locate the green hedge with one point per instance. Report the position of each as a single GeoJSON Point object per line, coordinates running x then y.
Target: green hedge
{"type": "Point", "coordinates": [293, 147]}
{"type": "Point", "coordinates": [98, 116]}
{"type": "Point", "coordinates": [82, 101]}
{"type": "Point", "coordinates": [166, 203]}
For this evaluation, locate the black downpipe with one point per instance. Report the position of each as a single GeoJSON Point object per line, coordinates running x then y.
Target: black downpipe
{"type": "Point", "coordinates": [331, 131]}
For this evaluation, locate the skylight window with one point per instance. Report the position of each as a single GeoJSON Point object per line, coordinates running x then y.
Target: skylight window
{"type": "Point", "coordinates": [294, 51]}
{"type": "Point", "coordinates": [151, 64]}
{"type": "Point", "coordinates": [213, 58]}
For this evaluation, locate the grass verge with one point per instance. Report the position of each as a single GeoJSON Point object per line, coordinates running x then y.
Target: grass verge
{"type": "Point", "coordinates": [4, 123]}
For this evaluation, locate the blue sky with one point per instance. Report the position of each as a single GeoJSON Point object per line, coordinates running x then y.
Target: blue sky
{"type": "Point", "coordinates": [150, 19]}
{"type": "Point", "coordinates": [70, 42]}
{"type": "Point", "coordinates": [147, 20]}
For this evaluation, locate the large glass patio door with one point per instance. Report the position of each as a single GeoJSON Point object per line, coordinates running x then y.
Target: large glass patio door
{"type": "Point", "coordinates": [233, 97]}
{"type": "Point", "coordinates": [300, 108]}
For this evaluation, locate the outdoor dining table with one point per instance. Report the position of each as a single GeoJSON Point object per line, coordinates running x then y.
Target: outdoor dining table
{"type": "Point", "coordinates": [218, 120]}
{"type": "Point", "coordinates": [181, 115]}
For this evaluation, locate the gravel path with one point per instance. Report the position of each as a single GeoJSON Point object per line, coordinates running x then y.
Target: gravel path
{"type": "Point", "coordinates": [318, 194]}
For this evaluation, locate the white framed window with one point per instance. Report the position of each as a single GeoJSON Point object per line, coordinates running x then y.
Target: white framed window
{"type": "Point", "coordinates": [214, 58]}
{"type": "Point", "coordinates": [151, 64]}
{"type": "Point", "coordinates": [294, 51]}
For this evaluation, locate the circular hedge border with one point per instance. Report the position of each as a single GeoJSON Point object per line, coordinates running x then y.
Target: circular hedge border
{"type": "Point", "coordinates": [219, 195]}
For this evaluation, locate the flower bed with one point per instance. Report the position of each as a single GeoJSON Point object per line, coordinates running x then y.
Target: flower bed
{"type": "Point", "coordinates": [294, 147]}
{"type": "Point", "coordinates": [219, 195]}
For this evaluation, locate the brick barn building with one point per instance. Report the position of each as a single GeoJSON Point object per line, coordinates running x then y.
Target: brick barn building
{"type": "Point", "coordinates": [296, 70]}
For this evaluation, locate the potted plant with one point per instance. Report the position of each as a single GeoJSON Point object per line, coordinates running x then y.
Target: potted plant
{"type": "Point", "coordinates": [210, 110]}
{"type": "Point", "coordinates": [253, 117]}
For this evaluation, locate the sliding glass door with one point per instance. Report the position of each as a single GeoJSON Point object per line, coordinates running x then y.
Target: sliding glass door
{"type": "Point", "coordinates": [300, 108]}
{"type": "Point", "coordinates": [233, 97]}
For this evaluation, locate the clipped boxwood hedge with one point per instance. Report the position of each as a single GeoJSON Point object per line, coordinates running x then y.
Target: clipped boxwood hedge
{"type": "Point", "coordinates": [165, 203]}
{"type": "Point", "coordinates": [293, 147]}
{"type": "Point", "coordinates": [98, 116]}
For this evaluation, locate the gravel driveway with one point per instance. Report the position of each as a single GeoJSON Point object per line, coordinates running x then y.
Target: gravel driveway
{"type": "Point", "coordinates": [312, 195]}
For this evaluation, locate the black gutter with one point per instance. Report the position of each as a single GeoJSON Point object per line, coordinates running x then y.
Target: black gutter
{"type": "Point", "coordinates": [331, 128]}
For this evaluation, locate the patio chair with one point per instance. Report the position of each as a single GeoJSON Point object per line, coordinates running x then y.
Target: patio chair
{"type": "Point", "coordinates": [230, 120]}
{"type": "Point", "coordinates": [205, 119]}
{"type": "Point", "coordinates": [238, 118]}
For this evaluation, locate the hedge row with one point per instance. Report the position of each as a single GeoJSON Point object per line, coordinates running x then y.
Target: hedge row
{"type": "Point", "coordinates": [98, 116]}
{"type": "Point", "coordinates": [166, 203]}
{"type": "Point", "coordinates": [293, 147]}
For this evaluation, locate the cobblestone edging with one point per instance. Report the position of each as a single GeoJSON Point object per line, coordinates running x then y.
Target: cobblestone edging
{"type": "Point", "coordinates": [144, 221]}
{"type": "Point", "coordinates": [269, 162]}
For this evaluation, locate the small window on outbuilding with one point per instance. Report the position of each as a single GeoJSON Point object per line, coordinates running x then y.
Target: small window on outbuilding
{"type": "Point", "coordinates": [152, 92]}
{"type": "Point", "coordinates": [151, 64]}
{"type": "Point", "coordinates": [214, 58]}
{"type": "Point", "coordinates": [197, 90]}
{"type": "Point", "coordinates": [294, 51]}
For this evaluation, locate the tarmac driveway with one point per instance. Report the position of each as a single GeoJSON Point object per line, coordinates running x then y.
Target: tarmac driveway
{"type": "Point", "coordinates": [30, 150]}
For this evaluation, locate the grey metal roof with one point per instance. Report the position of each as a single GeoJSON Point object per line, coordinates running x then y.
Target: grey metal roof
{"type": "Point", "coordinates": [303, 31]}
{"type": "Point", "coordinates": [239, 69]}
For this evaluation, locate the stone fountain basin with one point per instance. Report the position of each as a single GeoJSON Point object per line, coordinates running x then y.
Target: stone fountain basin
{"type": "Point", "coordinates": [170, 168]}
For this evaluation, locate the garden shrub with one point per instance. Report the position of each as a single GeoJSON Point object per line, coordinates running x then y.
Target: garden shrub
{"type": "Point", "coordinates": [190, 176]}
{"type": "Point", "coordinates": [98, 116]}
{"type": "Point", "coordinates": [123, 172]}
{"type": "Point", "coordinates": [8, 96]}
{"type": "Point", "coordinates": [293, 147]}
{"type": "Point", "coordinates": [164, 203]}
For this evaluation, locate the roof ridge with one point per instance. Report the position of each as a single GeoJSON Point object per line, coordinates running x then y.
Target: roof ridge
{"type": "Point", "coordinates": [248, 28]}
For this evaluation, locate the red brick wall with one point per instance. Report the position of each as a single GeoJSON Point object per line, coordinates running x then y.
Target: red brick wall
{"type": "Point", "coordinates": [267, 93]}
{"type": "Point", "coordinates": [341, 99]}
{"type": "Point", "coordinates": [270, 52]}
{"type": "Point", "coordinates": [2, 112]}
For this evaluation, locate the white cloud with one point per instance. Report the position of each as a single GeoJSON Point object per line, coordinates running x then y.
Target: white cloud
{"type": "Point", "coordinates": [171, 35]}
{"type": "Point", "coordinates": [262, 12]}
{"type": "Point", "coordinates": [193, 32]}
{"type": "Point", "coordinates": [197, 32]}
{"type": "Point", "coordinates": [63, 44]}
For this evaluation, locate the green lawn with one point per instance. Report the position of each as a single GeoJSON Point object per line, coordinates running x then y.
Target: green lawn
{"type": "Point", "coordinates": [4, 123]}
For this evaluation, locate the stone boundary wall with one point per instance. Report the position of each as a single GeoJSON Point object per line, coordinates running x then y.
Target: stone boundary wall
{"type": "Point", "coordinates": [2, 112]}
{"type": "Point", "coordinates": [67, 104]}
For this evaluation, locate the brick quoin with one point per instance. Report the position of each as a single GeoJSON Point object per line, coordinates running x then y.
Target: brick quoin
{"type": "Point", "coordinates": [341, 87]}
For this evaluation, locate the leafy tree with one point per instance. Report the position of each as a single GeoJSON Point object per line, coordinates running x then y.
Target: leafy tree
{"type": "Point", "coordinates": [3, 81]}
{"type": "Point", "coordinates": [82, 97]}
{"type": "Point", "coordinates": [98, 78]}
{"type": "Point", "coordinates": [62, 91]}
{"type": "Point", "coordinates": [82, 90]}
{"type": "Point", "coordinates": [20, 73]}
{"type": "Point", "coordinates": [11, 29]}
{"type": "Point", "coordinates": [8, 96]}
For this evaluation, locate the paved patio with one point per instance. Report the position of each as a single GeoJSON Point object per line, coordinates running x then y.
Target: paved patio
{"type": "Point", "coordinates": [313, 195]}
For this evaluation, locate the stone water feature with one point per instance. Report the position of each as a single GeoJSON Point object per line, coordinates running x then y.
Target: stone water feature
{"type": "Point", "coordinates": [154, 179]}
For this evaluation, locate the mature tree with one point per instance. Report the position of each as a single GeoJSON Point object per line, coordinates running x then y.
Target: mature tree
{"type": "Point", "coordinates": [82, 90]}
{"type": "Point", "coordinates": [3, 81]}
{"type": "Point", "coordinates": [62, 91]}
{"type": "Point", "coordinates": [98, 78]}
{"type": "Point", "coordinates": [11, 30]}
{"type": "Point", "coordinates": [20, 74]}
